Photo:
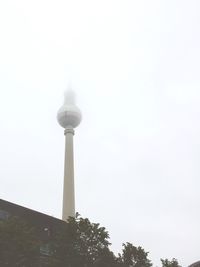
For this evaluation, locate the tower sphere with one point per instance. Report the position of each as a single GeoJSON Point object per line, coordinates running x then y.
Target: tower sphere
{"type": "Point", "coordinates": [69, 115]}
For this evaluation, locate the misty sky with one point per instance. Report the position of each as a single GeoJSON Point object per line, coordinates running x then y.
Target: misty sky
{"type": "Point", "coordinates": [135, 67]}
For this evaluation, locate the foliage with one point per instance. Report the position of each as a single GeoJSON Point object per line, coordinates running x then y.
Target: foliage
{"type": "Point", "coordinates": [172, 263]}
{"type": "Point", "coordinates": [79, 243]}
{"type": "Point", "coordinates": [133, 257]}
{"type": "Point", "coordinates": [83, 243]}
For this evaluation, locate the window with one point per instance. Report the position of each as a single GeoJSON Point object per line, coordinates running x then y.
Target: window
{"type": "Point", "coordinates": [4, 215]}
{"type": "Point", "coordinates": [45, 249]}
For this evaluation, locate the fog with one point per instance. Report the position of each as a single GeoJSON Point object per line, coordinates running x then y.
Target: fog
{"type": "Point", "coordinates": [134, 66]}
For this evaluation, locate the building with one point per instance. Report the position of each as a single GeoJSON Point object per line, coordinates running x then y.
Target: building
{"type": "Point", "coordinates": [45, 225]}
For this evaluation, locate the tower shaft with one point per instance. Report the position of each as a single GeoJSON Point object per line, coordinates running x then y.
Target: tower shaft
{"type": "Point", "coordinates": [68, 190]}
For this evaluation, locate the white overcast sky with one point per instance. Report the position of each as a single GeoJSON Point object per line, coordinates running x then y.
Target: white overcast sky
{"type": "Point", "coordinates": [135, 67]}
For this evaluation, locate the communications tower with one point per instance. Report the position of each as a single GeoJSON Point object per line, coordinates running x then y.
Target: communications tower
{"type": "Point", "coordinates": [69, 117]}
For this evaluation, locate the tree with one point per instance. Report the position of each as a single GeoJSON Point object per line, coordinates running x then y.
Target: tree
{"type": "Point", "coordinates": [18, 243]}
{"type": "Point", "coordinates": [78, 243]}
{"type": "Point", "coordinates": [172, 263]}
{"type": "Point", "coordinates": [133, 257]}
{"type": "Point", "coordinates": [82, 243]}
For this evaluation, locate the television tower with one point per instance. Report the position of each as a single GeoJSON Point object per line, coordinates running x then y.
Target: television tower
{"type": "Point", "coordinates": [69, 117]}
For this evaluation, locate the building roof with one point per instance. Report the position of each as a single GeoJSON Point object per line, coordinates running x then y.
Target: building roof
{"type": "Point", "coordinates": [36, 218]}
